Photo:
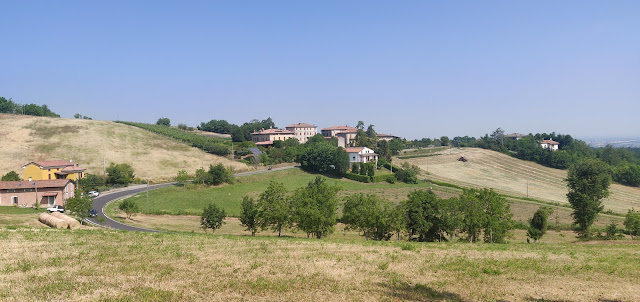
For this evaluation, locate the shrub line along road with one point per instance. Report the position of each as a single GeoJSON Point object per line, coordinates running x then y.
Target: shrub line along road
{"type": "Point", "coordinates": [101, 201]}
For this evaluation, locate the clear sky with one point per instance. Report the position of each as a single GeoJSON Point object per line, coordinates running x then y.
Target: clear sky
{"type": "Point", "coordinates": [412, 68]}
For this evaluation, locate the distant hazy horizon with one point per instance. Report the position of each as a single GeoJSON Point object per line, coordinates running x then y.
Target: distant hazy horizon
{"type": "Point", "coordinates": [413, 69]}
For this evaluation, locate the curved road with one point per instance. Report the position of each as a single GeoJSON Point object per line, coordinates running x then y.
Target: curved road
{"type": "Point", "coordinates": [100, 202]}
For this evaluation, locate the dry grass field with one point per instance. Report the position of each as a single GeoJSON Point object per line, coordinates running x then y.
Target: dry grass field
{"type": "Point", "coordinates": [27, 138]}
{"type": "Point", "coordinates": [508, 175]}
{"type": "Point", "coordinates": [49, 265]}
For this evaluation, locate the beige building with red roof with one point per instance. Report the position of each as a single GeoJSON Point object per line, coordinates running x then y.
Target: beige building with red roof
{"type": "Point", "coordinates": [28, 193]}
{"type": "Point", "coordinates": [265, 137]}
{"type": "Point", "coordinates": [302, 131]}
{"type": "Point", "coordinates": [52, 169]}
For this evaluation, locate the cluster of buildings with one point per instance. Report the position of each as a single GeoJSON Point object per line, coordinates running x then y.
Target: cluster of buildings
{"type": "Point", "coordinates": [303, 131]}
{"type": "Point", "coordinates": [46, 183]}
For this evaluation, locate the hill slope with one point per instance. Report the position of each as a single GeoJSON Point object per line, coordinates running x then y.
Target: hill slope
{"type": "Point", "coordinates": [25, 139]}
{"type": "Point", "coordinates": [509, 175]}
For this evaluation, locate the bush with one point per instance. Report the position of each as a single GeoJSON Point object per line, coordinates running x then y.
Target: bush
{"type": "Point", "coordinates": [91, 182]}
{"type": "Point", "coordinates": [384, 177]}
{"type": "Point", "coordinates": [219, 174]}
{"type": "Point", "coordinates": [163, 122]}
{"type": "Point", "coordinates": [11, 176]}
{"type": "Point", "coordinates": [119, 174]}
{"type": "Point", "coordinates": [357, 177]}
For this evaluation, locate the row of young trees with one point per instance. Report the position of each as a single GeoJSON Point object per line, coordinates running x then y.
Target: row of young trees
{"type": "Point", "coordinates": [311, 209]}
{"type": "Point", "coordinates": [9, 106]}
{"type": "Point", "coordinates": [422, 217]}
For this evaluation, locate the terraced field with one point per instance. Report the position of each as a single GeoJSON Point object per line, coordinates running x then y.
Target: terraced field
{"type": "Point", "coordinates": [511, 176]}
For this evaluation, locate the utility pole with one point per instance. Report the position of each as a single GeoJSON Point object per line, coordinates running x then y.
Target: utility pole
{"type": "Point", "coordinates": [232, 157]}
{"type": "Point", "coordinates": [147, 196]}
{"type": "Point", "coordinates": [36, 184]}
{"type": "Point", "coordinates": [527, 188]}
{"type": "Point", "coordinates": [104, 166]}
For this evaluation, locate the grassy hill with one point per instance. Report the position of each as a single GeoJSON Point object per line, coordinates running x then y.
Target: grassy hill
{"type": "Point", "coordinates": [26, 138]}
{"type": "Point", "coordinates": [509, 175]}
{"type": "Point", "coordinates": [102, 265]}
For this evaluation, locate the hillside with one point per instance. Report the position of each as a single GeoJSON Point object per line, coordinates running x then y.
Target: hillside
{"type": "Point", "coordinates": [509, 175]}
{"type": "Point", "coordinates": [26, 138]}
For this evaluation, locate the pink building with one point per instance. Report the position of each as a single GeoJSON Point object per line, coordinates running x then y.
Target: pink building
{"type": "Point", "coordinates": [302, 131]}
{"type": "Point", "coordinates": [265, 137]}
{"type": "Point", "coordinates": [27, 193]}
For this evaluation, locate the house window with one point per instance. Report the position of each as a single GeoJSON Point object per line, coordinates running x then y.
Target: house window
{"type": "Point", "coordinates": [14, 200]}
{"type": "Point", "coordinates": [28, 190]}
{"type": "Point", "coordinates": [49, 176]}
{"type": "Point", "coordinates": [52, 200]}
{"type": "Point", "coordinates": [11, 191]}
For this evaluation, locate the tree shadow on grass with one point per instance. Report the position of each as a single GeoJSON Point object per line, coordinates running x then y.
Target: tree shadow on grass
{"type": "Point", "coordinates": [418, 292]}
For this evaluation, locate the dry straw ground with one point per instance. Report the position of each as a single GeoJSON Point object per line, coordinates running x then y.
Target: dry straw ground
{"type": "Point", "coordinates": [119, 266]}
{"type": "Point", "coordinates": [508, 175]}
{"type": "Point", "coordinates": [25, 139]}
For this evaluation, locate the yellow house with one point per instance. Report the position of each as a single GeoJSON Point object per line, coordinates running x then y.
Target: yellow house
{"type": "Point", "coordinates": [53, 169]}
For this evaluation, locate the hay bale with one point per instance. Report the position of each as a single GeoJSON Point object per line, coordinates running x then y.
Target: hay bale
{"type": "Point", "coordinates": [73, 223]}
{"type": "Point", "coordinates": [53, 222]}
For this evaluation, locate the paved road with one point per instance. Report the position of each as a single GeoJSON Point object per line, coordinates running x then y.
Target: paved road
{"type": "Point", "coordinates": [100, 202]}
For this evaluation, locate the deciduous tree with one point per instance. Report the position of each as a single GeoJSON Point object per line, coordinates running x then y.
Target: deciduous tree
{"type": "Point", "coordinates": [274, 208]}
{"type": "Point", "coordinates": [249, 215]}
{"type": "Point", "coordinates": [314, 207]}
{"type": "Point", "coordinates": [212, 217]}
{"type": "Point", "coordinates": [588, 182]}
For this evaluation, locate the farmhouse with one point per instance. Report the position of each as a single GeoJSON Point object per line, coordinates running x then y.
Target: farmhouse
{"type": "Point", "coordinates": [28, 193]}
{"type": "Point", "coordinates": [53, 169]}
{"type": "Point", "coordinates": [385, 137]}
{"type": "Point", "coordinates": [549, 144]}
{"type": "Point", "coordinates": [265, 137]}
{"type": "Point", "coordinates": [515, 136]}
{"type": "Point", "coordinates": [361, 155]}
{"type": "Point", "coordinates": [302, 131]}
{"type": "Point", "coordinates": [334, 130]}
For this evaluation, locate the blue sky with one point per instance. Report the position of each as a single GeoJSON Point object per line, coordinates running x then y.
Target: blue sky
{"type": "Point", "coordinates": [411, 68]}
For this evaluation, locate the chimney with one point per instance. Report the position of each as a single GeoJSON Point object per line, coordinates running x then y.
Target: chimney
{"type": "Point", "coordinates": [29, 178]}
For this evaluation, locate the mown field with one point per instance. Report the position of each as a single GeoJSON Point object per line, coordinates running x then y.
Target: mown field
{"type": "Point", "coordinates": [178, 208]}
{"type": "Point", "coordinates": [39, 265]}
{"type": "Point", "coordinates": [508, 175]}
{"type": "Point", "coordinates": [28, 138]}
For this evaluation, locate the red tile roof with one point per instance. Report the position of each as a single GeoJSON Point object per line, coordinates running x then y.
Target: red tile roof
{"type": "Point", "coordinates": [385, 135]}
{"type": "Point", "coordinates": [354, 149]}
{"type": "Point", "coordinates": [53, 183]}
{"type": "Point", "coordinates": [301, 125]}
{"type": "Point", "coordinates": [550, 142]}
{"type": "Point", "coordinates": [340, 128]}
{"type": "Point", "coordinates": [51, 163]}
{"type": "Point", "coordinates": [265, 143]}
{"type": "Point", "coordinates": [273, 131]}
{"type": "Point", "coordinates": [72, 169]}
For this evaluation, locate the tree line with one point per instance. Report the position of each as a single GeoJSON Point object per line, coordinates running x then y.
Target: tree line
{"type": "Point", "coordinates": [10, 107]}
{"type": "Point", "coordinates": [480, 214]}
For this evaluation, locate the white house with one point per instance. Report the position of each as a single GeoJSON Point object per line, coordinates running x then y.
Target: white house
{"type": "Point", "coordinates": [361, 155]}
{"type": "Point", "coordinates": [549, 144]}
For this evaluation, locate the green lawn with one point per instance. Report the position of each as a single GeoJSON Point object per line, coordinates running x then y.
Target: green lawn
{"type": "Point", "coordinates": [191, 199]}
{"type": "Point", "coordinates": [18, 211]}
